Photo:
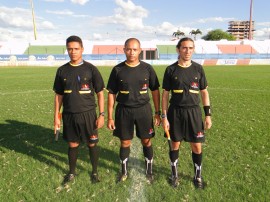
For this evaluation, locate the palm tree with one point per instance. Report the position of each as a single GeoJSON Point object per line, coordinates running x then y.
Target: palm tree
{"type": "Point", "coordinates": [195, 32]}
{"type": "Point", "coordinates": [178, 33]}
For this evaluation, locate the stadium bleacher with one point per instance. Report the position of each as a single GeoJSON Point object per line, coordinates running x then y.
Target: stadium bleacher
{"type": "Point", "coordinates": [210, 52]}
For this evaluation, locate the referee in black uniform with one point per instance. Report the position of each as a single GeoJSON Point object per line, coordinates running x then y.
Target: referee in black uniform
{"type": "Point", "coordinates": [186, 80]}
{"type": "Point", "coordinates": [129, 84]}
{"type": "Point", "coordinates": [75, 85]}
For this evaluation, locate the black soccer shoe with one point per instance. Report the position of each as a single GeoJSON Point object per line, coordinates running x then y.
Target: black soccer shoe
{"type": "Point", "coordinates": [198, 183]}
{"type": "Point", "coordinates": [174, 181]}
{"type": "Point", "coordinates": [150, 178]}
{"type": "Point", "coordinates": [95, 178]}
{"type": "Point", "coordinates": [69, 178]}
{"type": "Point", "coordinates": [122, 178]}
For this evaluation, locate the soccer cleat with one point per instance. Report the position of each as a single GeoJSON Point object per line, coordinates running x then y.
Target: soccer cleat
{"type": "Point", "coordinates": [68, 178]}
{"type": "Point", "coordinates": [198, 183]}
{"type": "Point", "coordinates": [150, 178]}
{"type": "Point", "coordinates": [95, 178]}
{"type": "Point", "coordinates": [122, 178]}
{"type": "Point", "coordinates": [174, 181]}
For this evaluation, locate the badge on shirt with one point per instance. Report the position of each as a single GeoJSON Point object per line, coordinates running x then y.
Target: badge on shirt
{"type": "Point", "coordinates": [85, 87]}
{"type": "Point", "coordinates": [145, 87]}
{"type": "Point", "coordinates": [195, 85]}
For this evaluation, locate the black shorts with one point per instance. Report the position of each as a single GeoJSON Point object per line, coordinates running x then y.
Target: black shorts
{"type": "Point", "coordinates": [80, 127]}
{"type": "Point", "coordinates": [126, 118]}
{"type": "Point", "coordinates": [186, 124]}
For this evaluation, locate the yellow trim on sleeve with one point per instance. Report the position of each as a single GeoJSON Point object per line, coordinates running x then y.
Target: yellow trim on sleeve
{"type": "Point", "coordinates": [67, 91]}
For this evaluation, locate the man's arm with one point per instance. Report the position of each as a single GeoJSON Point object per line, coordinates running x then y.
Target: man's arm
{"type": "Point", "coordinates": [58, 100]}
{"type": "Point", "coordinates": [206, 105]}
{"type": "Point", "coordinates": [110, 106]}
{"type": "Point", "coordinates": [100, 119]}
{"type": "Point", "coordinates": [156, 101]}
{"type": "Point", "coordinates": [164, 104]}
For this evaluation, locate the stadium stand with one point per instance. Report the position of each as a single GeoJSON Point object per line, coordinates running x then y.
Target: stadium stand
{"type": "Point", "coordinates": [108, 49]}
{"type": "Point", "coordinates": [154, 51]}
{"type": "Point", "coordinates": [12, 47]}
{"type": "Point", "coordinates": [236, 49]}
{"type": "Point", "coordinates": [41, 49]}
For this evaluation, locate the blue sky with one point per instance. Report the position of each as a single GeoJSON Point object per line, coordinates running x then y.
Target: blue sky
{"type": "Point", "coordinates": [119, 19]}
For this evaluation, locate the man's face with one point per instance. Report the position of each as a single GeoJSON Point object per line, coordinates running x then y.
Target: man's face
{"type": "Point", "coordinates": [186, 50]}
{"type": "Point", "coordinates": [75, 51]}
{"type": "Point", "coordinates": [132, 51]}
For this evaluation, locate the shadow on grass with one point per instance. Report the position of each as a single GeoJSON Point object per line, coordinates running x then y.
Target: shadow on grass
{"type": "Point", "coordinates": [38, 143]}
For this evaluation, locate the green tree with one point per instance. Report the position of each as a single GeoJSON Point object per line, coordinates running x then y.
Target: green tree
{"type": "Point", "coordinates": [195, 33]}
{"type": "Point", "coordinates": [178, 33]}
{"type": "Point", "coordinates": [218, 34]}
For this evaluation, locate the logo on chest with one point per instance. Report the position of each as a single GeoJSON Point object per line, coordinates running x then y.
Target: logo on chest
{"type": "Point", "coordinates": [194, 85]}
{"type": "Point", "coordinates": [144, 86]}
{"type": "Point", "coordinates": [85, 87]}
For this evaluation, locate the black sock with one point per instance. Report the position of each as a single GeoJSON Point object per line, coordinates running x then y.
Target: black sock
{"type": "Point", "coordinates": [174, 155]}
{"type": "Point", "coordinates": [72, 158]}
{"type": "Point", "coordinates": [94, 155]}
{"type": "Point", "coordinates": [148, 154]}
{"type": "Point", "coordinates": [124, 154]}
{"type": "Point", "coordinates": [197, 162]}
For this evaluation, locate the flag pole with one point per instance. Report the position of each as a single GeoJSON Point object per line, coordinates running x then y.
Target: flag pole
{"type": "Point", "coordinates": [250, 20]}
{"type": "Point", "coordinates": [34, 21]}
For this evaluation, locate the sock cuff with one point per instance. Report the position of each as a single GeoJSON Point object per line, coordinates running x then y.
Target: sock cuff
{"type": "Point", "coordinates": [124, 153]}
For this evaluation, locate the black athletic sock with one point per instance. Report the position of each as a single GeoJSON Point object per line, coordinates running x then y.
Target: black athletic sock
{"type": "Point", "coordinates": [197, 162]}
{"type": "Point", "coordinates": [124, 155]}
{"type": "Point", "coordinates": [94, 155]}
{"type": "Point", "coordinates": [148, 155]}
{"type": "Point", "coordinates": [72, 158]}
{"type": "Point", "coordinates": [174, 155]}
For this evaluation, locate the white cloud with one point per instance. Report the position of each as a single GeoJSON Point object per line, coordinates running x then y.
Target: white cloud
{"type": "Point", "coordinates": [54, 0]}
{"type": "Point", "coordinates": [263, 33]}
{"type": "Point", "coordinates": [81, 2]}
{"type": "Point", "coordinates": [214, 19]}
{"type": "Point", "coordinates": [97, 36]}
{"type": "Point", "coordinates": [129, 15]}
{"type": "Point", "coordinates": [60, 12]}
{"type": "Point", "coordinates": [19, 23]}
{"type": "Point", "coordinates": [15, 18]}
{"type": "Point", "coordinates": [47, 25]}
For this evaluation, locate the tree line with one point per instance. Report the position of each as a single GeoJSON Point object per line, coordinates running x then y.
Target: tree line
{"type": "Point", "coordinates": [213, 35]}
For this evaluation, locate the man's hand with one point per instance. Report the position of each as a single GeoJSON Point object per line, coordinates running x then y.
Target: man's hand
{"type": "Point", "coordinates": [100, 122]}
{"type": "Point", "coordinates": [165, 124]}
{"type": "Point", "coordinates": [110, 124]}
{"type": "Point", "coordinates": [207, 122]}
{"type": "Point", "coordinates": [157, 120]}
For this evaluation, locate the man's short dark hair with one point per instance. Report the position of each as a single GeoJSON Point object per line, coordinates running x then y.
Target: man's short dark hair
{"type": "Point", "coordinates": [131, 39]}
{"type": "Point", "coordinates": [182, 40]}
{"type": "Point", "coordinates": [74, 38]}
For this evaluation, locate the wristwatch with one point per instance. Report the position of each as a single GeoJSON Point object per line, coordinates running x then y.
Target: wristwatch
{"type": "Point", "coordinates": [163, 116]}
{"type": "Point", "coordinates": [102, 114]}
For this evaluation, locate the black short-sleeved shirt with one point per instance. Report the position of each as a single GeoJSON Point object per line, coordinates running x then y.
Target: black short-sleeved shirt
{"type": "Point", "coordinates": [131, 84]}
{"type": "Point", "coordinates": [78, 85]}
{"type": "Point", "coordinates": [184, 84]}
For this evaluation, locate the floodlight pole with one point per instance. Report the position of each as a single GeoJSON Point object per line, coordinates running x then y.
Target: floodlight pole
{"type": "Point", "coordinates": [34, 21]}
{"type": "Point", "coordinates": [250, 20]}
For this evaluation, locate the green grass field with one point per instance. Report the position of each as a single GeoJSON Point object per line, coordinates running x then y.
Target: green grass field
{"type": "Point", "coordinates": [236, 152]}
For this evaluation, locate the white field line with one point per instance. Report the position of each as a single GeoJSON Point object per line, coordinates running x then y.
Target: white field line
{"type": "Point", "coordinates": [239, 89]}
{"type": "Point", "coordinates": [137, 172]}
{"type": "Point", "coordinates": [226, 89]}
{"type": "Point", "coordinates": [25, 92]}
